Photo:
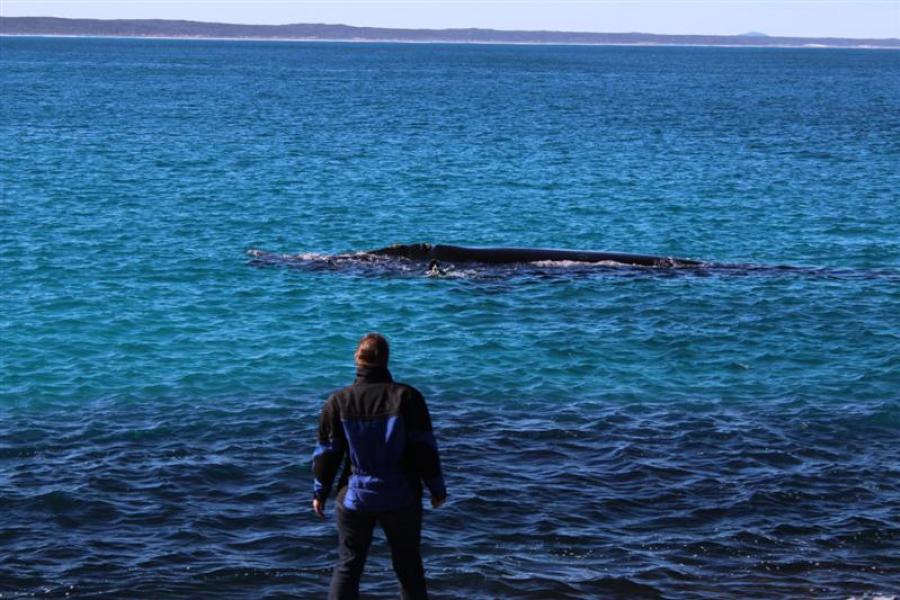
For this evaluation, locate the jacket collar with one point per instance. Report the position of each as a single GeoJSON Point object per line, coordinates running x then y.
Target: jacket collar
{"type": "Point", "coordinates": [373, 375]}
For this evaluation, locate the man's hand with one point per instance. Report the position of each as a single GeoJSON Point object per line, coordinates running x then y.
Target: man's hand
{"type": "Point", "coordinates": [437, 502]}
{"type": "Point", "coordinates": [319, 508]}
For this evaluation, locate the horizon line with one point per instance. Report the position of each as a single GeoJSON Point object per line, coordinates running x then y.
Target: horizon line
{"type": "Point", "coordinates": [749, 34]}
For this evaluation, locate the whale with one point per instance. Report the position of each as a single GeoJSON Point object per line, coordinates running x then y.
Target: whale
{"type": "Point", "coordinates": [440, 258]}
{"type": "Point", "coordinates": [444, 259]}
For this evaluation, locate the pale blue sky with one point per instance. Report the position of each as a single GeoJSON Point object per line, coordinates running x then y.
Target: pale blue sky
{"type": "Point", "coordinates": [812, 18]}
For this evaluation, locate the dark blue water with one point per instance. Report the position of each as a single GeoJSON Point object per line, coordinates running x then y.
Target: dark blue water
{"type": "Point", "coordinates": [606, 432]}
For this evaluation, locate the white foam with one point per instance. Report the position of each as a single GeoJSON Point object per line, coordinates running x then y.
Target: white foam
{"type": "Point", "coordinates": [309, 256]}
{"type": "Point", "coordinates": [564, 264]}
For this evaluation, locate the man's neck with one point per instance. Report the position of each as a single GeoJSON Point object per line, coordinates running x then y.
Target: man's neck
{"type": "Point", "coordinates": [372, 374]}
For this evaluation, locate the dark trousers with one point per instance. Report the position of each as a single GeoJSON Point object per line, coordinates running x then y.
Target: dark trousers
{"type": "Point", "coordinates": [402, 528]}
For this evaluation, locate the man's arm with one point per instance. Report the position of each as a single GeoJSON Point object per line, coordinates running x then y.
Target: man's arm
{"type": "Point", "coordinates": [328, 455]}
{"type": "Point", "coordinates": [424, 449]}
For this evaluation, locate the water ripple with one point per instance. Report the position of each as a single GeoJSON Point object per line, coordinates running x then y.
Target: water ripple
{"type": "Point", "coordinates": [625, 501]}
{"type": "Point", "coordinates": [608, 432]}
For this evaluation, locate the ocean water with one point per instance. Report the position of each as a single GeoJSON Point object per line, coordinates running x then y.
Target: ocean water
{"type": "Point", "coordinates": [607, 432]}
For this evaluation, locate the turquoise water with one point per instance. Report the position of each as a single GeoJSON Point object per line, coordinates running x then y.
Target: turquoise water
{"type": "Point", "coordinates": [634, 432]}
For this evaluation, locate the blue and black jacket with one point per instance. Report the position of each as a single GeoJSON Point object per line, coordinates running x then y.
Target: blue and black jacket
{"type": "Point", "coordinates": [380, 433]}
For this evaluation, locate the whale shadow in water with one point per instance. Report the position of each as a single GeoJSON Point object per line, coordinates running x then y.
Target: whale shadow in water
{"type": "Point", "coordinates": [439, 260]}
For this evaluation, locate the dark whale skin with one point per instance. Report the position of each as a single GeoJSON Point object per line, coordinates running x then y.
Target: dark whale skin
{"type": "Point", "coordinates": [494, 256]}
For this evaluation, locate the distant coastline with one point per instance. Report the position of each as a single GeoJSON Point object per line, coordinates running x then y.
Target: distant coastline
{"type": "Point", "coordinates": [166, 29]}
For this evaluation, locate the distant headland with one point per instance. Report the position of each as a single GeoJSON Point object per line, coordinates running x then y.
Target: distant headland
{"type": "Point", "coordinates": [151, 28]}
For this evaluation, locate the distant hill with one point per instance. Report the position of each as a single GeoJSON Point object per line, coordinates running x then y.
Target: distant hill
{"type": "Point", "coordinates": [753, 34]}
{"type": "Point", "coordinates": [303, 31]}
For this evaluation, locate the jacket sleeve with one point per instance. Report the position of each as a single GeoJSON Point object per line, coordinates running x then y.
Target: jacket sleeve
{"type": "Point", "coordinates": [329, 451]}
{"type": "Point", "coordinates": [423, 446]}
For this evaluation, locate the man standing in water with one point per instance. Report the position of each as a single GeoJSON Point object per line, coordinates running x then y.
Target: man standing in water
{"type": "Point", "coordinates": [385, 430]}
